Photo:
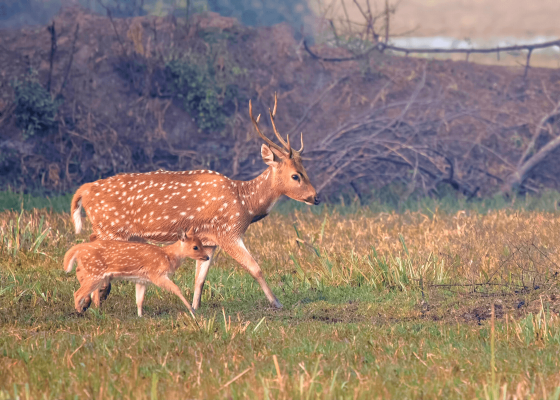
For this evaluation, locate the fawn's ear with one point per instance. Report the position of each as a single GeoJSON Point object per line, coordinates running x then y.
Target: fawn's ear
{"type": "Point", "coordinates": [269, 157]}
{"type": "Point", "coordinates": [190, 233]}
{"type": "Point", "coordinates": [181, 235]}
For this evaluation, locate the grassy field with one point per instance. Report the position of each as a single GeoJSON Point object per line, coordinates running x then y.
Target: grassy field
{"type": "Point", "coordinates": [376, 305]}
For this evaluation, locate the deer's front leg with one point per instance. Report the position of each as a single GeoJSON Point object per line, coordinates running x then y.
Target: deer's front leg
{"type": "Point", "coordinates": [240, 253]}
{"type": "Point", "coordinates": [167, 284]}
{"type": "Point", "coordinates": [202, 268]}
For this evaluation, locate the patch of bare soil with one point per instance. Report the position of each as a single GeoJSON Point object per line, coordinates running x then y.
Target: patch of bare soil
{"type": "Point", "coordinates": [474, 309]}
{"type": "Point", "coordinates": [367, 123]}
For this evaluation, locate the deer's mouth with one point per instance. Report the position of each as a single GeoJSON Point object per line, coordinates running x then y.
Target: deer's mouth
{"type": "Point", "coordinates": [312, 201]}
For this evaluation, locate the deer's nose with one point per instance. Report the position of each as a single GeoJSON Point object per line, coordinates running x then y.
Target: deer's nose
{"type": "Point", "coordinates": [317, 200]}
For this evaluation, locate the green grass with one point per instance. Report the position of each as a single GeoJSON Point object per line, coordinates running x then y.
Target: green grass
{"type": "Point", "coordinates": [384, 201]}
{"type": "Point", "coordinates": [10, 200]}
{"type": "Point", "coordinates": [362, 317]}
{"type": "Point", "coordinates": [450, 203]}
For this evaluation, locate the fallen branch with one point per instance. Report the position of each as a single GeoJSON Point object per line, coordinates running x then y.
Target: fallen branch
{"type": "Point", "coordinates": [524, 168]}
{"type": "Point", "coordinates": [381, 47]}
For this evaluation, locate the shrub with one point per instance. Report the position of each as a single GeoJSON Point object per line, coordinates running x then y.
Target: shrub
{"type": "Point", "coordinates": [194, 84]}
{"type": "Point", "coordinates": [35, 108]}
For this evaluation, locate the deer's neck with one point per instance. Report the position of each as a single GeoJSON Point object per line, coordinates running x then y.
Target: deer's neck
{"type": "Point", "coordinates": [259, 195]}
{"type": "Point", "coordinates": [175, 255]}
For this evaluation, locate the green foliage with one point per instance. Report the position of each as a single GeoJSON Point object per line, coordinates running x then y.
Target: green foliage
{"type": "Point", "coordinates": [195, 86]}
{"type": "Point", "coordinates": [206, 94]}
{"type": "Point", "coordinates": [35, 108]}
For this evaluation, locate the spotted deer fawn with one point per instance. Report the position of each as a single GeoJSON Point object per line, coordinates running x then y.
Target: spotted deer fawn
{"type": "Point", "coordinates": [101, 261]}
{"type": "Point", "coordinates": [152, 206]}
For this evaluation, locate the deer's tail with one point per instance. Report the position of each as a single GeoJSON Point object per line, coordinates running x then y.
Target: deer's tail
{"type": "Point", "coordinates": [76, 208]}
{"type": "Point", "coordinates": [70, 258]}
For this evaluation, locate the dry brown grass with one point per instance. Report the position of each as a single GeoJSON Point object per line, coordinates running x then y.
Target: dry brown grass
{"type": "Point", "coordinates": [356, 321]}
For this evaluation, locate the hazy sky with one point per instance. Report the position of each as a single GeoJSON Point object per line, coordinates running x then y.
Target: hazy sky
{"type": "Point", "coordinates": [462, 18]}
{"type": "Point", "coordinates": [456, 18]}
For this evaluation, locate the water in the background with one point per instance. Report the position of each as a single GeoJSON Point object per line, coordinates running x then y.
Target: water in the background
{"type": "Point", "coordinates": [547, 57]}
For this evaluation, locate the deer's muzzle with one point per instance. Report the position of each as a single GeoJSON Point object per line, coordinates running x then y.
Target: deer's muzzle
{"type": "Point", "coordinates": [313, 200]}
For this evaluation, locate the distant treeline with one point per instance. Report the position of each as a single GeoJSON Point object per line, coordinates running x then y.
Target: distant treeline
{"type": "Point", "coordinates": [15, 13]}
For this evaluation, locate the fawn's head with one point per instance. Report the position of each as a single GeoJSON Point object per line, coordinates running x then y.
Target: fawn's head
{"type": "Point", "coordinates": [191, 245]}
{"type": "Point", "coordinates": [288, 174]}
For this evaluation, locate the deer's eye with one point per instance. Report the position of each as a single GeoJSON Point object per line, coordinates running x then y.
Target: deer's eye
{"type": "Point", "coordinates": [195, 248]}
{"type": "Point", "coordinates": [295, 177]}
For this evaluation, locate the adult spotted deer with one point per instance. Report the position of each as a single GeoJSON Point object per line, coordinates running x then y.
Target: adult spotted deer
{"type": "Point", "coordinates": [101, 261]}
{"type": "Point", "coordinates": [152, 206]}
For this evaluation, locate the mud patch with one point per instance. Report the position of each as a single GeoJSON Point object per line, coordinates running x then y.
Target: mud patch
{"type": "Point", "coordinates": [479, 314]}
{"type": "Point", "coordinates": [332, 314]}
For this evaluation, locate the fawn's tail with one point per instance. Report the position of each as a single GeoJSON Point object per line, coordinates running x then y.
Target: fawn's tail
{"type": "Point", "coordinates": [76, 208]}
{"type": "Point", "coordinates": [70, 258]}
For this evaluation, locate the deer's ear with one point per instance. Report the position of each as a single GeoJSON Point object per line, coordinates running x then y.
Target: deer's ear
{"type": "Point", "coordinates": [181, 235]}
{"type": "Point", "coordinates": [268, 156]}
{"type": "Point", "coordinates": [190, 233]}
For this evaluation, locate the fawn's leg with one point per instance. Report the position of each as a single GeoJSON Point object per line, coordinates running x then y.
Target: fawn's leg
{"type": "Point", "coordinates": [140, 292]}
{"type": "Point", "coordinates": [240, 253]}
{"type": "Point", "coordinates": [202, 268]}
{"type": "Point", "coordinates": [101, 294]}
{"type": "Point", "coordinates": [82, 278]}
{"type": "Point", "coordinates": [83, 293]}
{"type": "Point", "coordinates": [167, 284]}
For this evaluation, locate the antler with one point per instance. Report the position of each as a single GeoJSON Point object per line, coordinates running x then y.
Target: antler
{"type": "Point", "coordinates": [286, 143]}
{"type": "Point", "coordinates": [301, 149]}
{"type": "Point", "coordinates": [272, 115]}
{"type": "Point", "coordinates": [256, 123]}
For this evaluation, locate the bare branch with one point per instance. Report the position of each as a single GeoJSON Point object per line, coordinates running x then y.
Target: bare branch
{"type": "Point", "coordinates": [52, 31]}
{"type": "Point", "coordinates": [381, 47]}
{"type": "Point", "coordinates": [69, 66]}
{"type": "Point", "coordinates": [523, 170]}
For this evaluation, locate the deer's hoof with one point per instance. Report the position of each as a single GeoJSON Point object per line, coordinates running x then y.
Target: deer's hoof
{"type": "Point", "coordinates": [276, 304]}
